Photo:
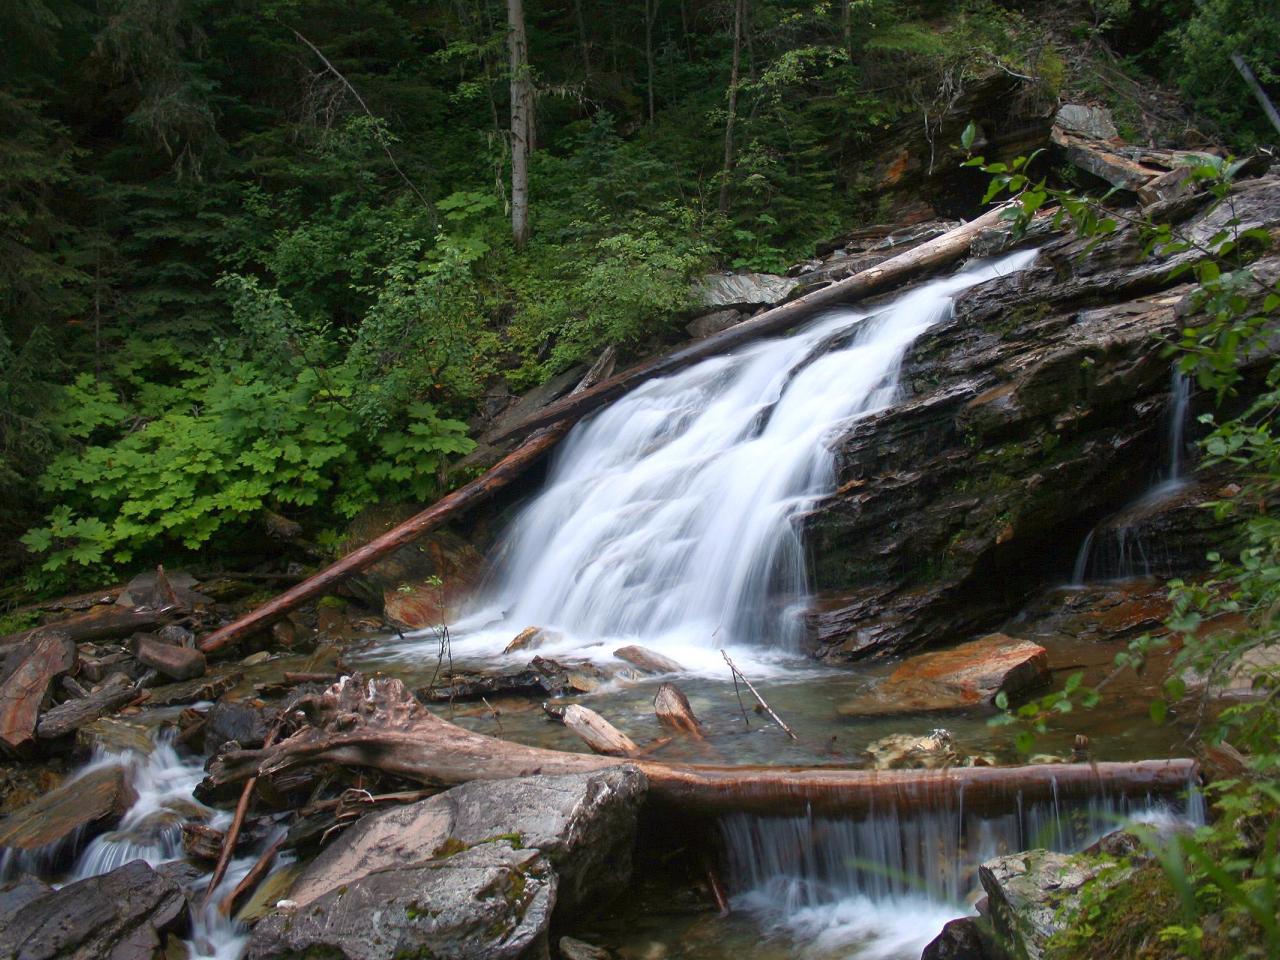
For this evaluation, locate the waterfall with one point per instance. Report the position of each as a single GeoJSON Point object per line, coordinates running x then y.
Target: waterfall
{"type": "Point", "coordinates": [1116, 549]}
{"type": "Point", "coordinates": [881, 887]}
{"type": "Point", "coordinates": [673, 514]}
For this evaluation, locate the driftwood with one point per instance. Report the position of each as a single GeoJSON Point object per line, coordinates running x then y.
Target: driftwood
{"type": "Point", "coordinates": [66, 718]}
{"type": "Point", "coordinates": [597, 732]}
{"type": "Point", "coordinates": [673, 710]}
{"type": "Point", "coordinates": [378, 724]}
{"type": "Point", "coordinates": [906, 266]}
{"type": "Point", "coordinates": [483, 487]}
{"type": "Point", "coordinates": [175, 662]}
{"type": "Point", "coordinates": [237, 822]}
{"type": "Point", "coordinates": [101, 623]}
{"type": "Point", "coordinates": [260, 868]}
{"type": "Point", "coordinates": [738, 674]}
{"type": "Point", "coordinates": [28, 671]}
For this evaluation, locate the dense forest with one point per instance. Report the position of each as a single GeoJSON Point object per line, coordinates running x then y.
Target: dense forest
{"type": "Point", "coordinates": [260, 256]}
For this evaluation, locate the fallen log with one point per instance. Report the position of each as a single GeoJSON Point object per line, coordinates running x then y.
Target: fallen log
{"type": "Point", "coordinates": [102, 623]}
{"type": "Point", "coordinates": [597, 732]}
{"type": "Point", "coordinates": [28, 671]}
{"type": "Point", "coordinates": [378, 724]}
{"type": "Point", "coordinates": [483, 487]}
{"type": "Point", "coordinates": [896, 270]}
{"type": "Point", "coordinates": [66, 718]}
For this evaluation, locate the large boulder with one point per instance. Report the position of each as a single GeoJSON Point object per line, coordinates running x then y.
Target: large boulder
{"type": "Point", "coordinates": [473, 872]}
{"type": "Point", "coordinates": [1028, 894]}
{"type": "Point", "coordinates": [1037, 410]}
{"type": "Point", "coordinates": [126, 914]}
{"type": "Point", "coordinates": [722, 290]}
{"type": "Point", "coordinates": [968, 675]}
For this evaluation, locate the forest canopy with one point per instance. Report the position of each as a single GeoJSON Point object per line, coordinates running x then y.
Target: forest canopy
{"type": "Point", "coordinates": [259, 257]}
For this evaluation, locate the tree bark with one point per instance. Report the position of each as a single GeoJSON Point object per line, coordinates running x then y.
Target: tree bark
{"type": "Point", "coordinates": [378, 724]}
{"type": "Point", "coordinates": [739, 9]}
{"type": "Point", "coordinates": [521, 121]}
{"type": "Point", "coordinates": [28, 671]}
{"type": "Point", "coordinates": [597, 732]}
{"type": "Point", "coordinates": [483, 487]}
{"type": "Point", "coordinates": [906, 266]}
{"type": "Point", "coordinates": [100, 623]}
{"type": "Point", "coordinates": [672, 709]}
{"type": "Point", "coordinates": [650, 15]}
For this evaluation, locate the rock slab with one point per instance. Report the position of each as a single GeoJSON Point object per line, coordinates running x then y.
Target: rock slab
{"type": "Point", "coordinates": [967, 675]}
{"type": "Point", "coordinates": [473, 872]}
{"type": "Point", "coordinates": [121, 915]}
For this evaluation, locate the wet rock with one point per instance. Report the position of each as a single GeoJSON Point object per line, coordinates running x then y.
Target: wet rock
{"type": "Point", "coordinates": [961, 939]}
{"type": "Point", "coordinates": [898, 751]}
{"type": "Point", "coordinates": [122, 915]}
{"type": "Point", "coordinates": [646, 660]}
{"type": "Point", "coordinates": [245, 723]}
{"type": "Point", "coordinates": [472, 686]}
{"type": "Point", "coordinates": [16, 894]}
{"type": "Point", "coordinates": [171, 660]}
{"type": "Point", "coordinates": [1087, 121]}
{"type": "Point", "coordinates": [709, 323]}
{"type": "Point", "coordinates": [51, 825]}
{"type": "Point", "coordinates": [28, 670]}
{"type": "Point", "coordinates": [472, 872]}
{"type": "Point", "coordinates": [113, 735]}
{"type": "Point", "coordinates": [21, 782]}
{"type": "Point", "coordinates": [742, 289]}
{"type": "Point", "coordinates": [1037, 410]}
{"type": "Point", "coordinates": [1027, 893]}
{"type": "Point", "coordinates": [401, 582]}
{"type": "Point", "coordinates": [531, 638]}
{"type": "Point", "coordinates": [964, 676]}
{"type": "Point", "coordinates": [192, 691]}
{"type": "Point", "coordinates": [574, 949]}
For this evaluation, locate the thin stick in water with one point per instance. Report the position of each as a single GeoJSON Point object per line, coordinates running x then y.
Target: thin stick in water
{"type": "Point", "coordinates": [738, 673]}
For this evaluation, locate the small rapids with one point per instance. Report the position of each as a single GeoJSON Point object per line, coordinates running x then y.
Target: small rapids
{"type": "Point", "coordinates": [1116, 549]}
{"type": "Point", "coordinates": [881, 888]}
{"type": "Point", "coordinates": [151, 830]}
{"type": "Point", "coordinates": [672, 516]}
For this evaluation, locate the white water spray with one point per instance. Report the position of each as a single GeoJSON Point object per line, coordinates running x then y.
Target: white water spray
{"type": "Point", "coordinates": [672, 516]}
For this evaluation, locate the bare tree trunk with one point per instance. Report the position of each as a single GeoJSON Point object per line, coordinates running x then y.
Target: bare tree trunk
{"type": "Point", "coordinates": [739, 10]}
{"type": "Point", "coordinates": [650, 15]}
{"type": "Point", "coordinates": [582, 38]}
{"type": "Point", "coordinates": [1264, 101]}
{"type": "Point", "coordinates": [521, 122]}
{"type": "Point", "coordinates": [846, 25]}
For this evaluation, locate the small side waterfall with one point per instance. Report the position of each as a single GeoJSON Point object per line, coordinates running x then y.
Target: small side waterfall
{"type": "Point", "coordinates": [880, 888]}
{"type": "Point", "coordinates": [672, 514]}
{"type": "Point", "coordinates": [1116, 548]}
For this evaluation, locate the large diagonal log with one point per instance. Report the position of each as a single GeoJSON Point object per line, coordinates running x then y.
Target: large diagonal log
{"type": "Point", "coordinates": [483, 487]}
{"type": "Point", "coordinates": [378, 724]}
{"type": "Point", "coordinates": [897, 270]}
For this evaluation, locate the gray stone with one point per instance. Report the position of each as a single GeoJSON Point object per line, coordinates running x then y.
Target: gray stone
{"type": "Point", "coordinates": [241, 722]}
{"type": "Point", "coordinates": [473, 872]}
{"type": "Point", "coordinates": [960, 939]}
{"type": "Point", "coordinates": [1092, 122]}
{"type": "Point", "coordinates": [709, 323]}
{"type": "Point", "coordinates": [121, 915]}
{"type": "Point", "coordinates": [1028, 892]}
{"type": "Point", "coordinates": [742, 289]}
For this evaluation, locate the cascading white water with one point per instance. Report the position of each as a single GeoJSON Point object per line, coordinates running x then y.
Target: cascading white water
{"type": "Point", "coordinates": [151, 830]}
{"type": "Point", "coordinates": [880, 888]}
{"type": "Point", "coordinates": [671, 516]}
{"type": "Point", "coordinates": [1116, 550]}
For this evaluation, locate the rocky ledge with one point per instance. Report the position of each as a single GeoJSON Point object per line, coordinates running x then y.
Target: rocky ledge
{"type": "Point", "coordinates": [1038, 410]}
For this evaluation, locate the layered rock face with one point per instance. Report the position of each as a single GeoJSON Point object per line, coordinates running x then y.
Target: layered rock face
{"type": "Point", "coordinates": [1039, 409]}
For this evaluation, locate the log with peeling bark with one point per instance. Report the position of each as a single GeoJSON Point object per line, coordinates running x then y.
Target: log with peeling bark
{"type": "Point", "coordinates": [460, 500]}
{"type": "Point", "coordinates": [893, 272]}
{"type": "Point", "coordinates": [66, 718]}
{"type": "Point", "coordinates": [28, 670]}
{"type": "Point", "coordinates": [378, 724]}
{"type": "Point", "coordinates": [672, 709]}
{"type": "Point", "coordinates": [597, 732]}
{"type": "Point", "coordinates": [100, 623]}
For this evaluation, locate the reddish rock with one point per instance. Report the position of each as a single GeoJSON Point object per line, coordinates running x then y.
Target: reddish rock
{"type": "Point", "coordinates": [964, 676]}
